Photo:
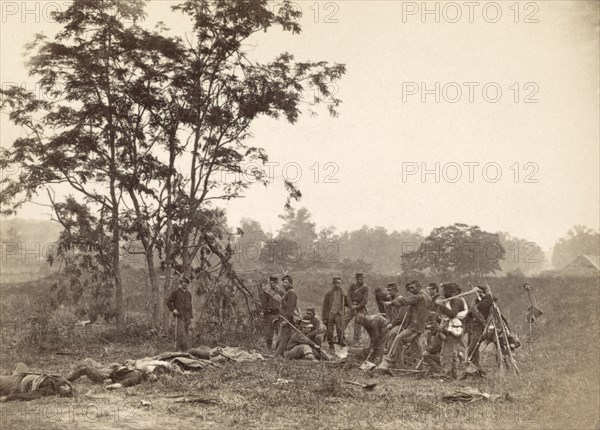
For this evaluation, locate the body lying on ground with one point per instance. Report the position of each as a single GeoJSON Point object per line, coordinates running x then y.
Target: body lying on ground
{"type": "Point", "coordinates": [121, 375]}
{"type": "Point", "coordinates": [25, 385]}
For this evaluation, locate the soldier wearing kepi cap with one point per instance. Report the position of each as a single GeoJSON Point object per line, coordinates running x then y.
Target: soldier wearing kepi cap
{"type": "Point", "coordinates": [358, 293]}
{"type": "Point", "coordinates": [333, 312]}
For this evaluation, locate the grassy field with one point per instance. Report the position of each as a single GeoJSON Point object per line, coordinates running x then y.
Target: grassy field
{"type": "Point", "coordinates": [558, 386]}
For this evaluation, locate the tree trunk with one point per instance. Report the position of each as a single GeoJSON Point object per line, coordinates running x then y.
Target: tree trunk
{"type": "Point", "coordinates": [156, 293]}
{"type": "Point", "coordinates": [116, 251]}
{"type": "Point", "coordinates": [185, 250]}
{"type": "Point", "coordinates": [116, 233]}
{"type": "Point", "coordinates": [169, 232]}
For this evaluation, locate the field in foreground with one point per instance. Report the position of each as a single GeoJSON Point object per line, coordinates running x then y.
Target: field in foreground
{"type": "Point", "coordinates": [558, 387]}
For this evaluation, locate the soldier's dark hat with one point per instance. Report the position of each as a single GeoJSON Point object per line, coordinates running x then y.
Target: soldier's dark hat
{"type": "Point", "coordinates": [273, 278]}
{"type": "Point", "coordinates": [359, 275]}
{"type": "Point", "coordinates": [392, 285]}
{"type": "Point", "coordinates": [336, 278]}
{"type": "Point", "coordinates": [433, 284]}
{"type": "Point", "coordinates": [310, 308]}
{"type": "Point", "coordinates": [185, 279]}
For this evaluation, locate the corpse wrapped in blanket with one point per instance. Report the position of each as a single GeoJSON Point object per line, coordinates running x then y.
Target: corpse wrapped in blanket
{"type": "Point", "coordinates": [25, 385]}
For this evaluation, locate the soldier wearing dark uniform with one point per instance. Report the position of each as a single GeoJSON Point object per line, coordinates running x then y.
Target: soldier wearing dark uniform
{"type": "Point", "coordinates": [334, 308]}
{"type": "Point", "coordinates": [453, 351]}
{"type": "Point", "coordinates": [180, 304]}
{"type": "Point", "coordinates": [288, 306]}
{"type": "Point", "coordinates": [394, 314]}
{"type": "Point", "coordinates": [417, 304]}
{"type": "Point", "coordinates": [418, 312]}
{"type": "Point", "coordinates": [476, 321]}
{"type": "Point", "coordinates": [358, 293]}
{"type": "Point", "coordinates": [299, 346]}
{"type": "Point", "coordinates": [380, 297]}
{"type": "Point", "coordinates": [376, 327]}
{"type": "Point", "coordinates": [271, 303]}
{"type": "Point", "coordinates": [316, 332]}
{"type": "Point", "coordinates": [434, 291]}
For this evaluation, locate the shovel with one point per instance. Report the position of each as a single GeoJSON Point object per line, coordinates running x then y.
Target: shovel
{"type": "Point", "coordinates": [367, 365]}
{"type": "Point", "coordinates": [340, 351]}
{"type": "Point", "coordinates": [367, 387]}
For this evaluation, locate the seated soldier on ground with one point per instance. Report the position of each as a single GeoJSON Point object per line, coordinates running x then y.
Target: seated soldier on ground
{"type": "Point", "coordinates": [300, 347]}
{"type": "Point", "coordinates": [318, 329]}
{"type": "Point", "coordinates": [377, 327]}
{"type": "Point", "coordinates": [25, 385]}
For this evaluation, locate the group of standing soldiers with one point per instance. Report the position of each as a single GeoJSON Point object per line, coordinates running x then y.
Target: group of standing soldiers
{"type": "Point", "coordinates": [301, 337]}
{"type": "Point", "coordinates": [425, 325]}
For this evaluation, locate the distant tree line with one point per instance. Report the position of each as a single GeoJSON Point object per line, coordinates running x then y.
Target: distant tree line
{"type": "Point", "coordinates": [458, 250]}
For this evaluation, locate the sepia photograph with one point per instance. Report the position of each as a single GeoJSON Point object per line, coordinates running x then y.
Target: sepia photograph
{"type": "Point", "coordinates": [299, 214]}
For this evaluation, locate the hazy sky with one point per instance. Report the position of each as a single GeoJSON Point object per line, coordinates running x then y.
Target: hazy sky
{"type": "Point", "coordinates": [386, 133]}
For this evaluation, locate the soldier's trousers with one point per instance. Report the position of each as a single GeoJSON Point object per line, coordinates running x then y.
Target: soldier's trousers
{"type": "Point", "coordinates": [474, 337]}
{"type": "Point", "coordinates": [300, 352]}
{"type": "Point", "coordinates": [452, 355]}
{"type": "Point", "coordinates": [270, 325]}
{"type": "Point", "coordinates": [432, 360]}
{"type": "Point", "coordinates": [337, 322]}
{"type": "Point", "coordinates": [409, 338]}
{"type": "Point", "coordinates": [182, 332]}
{"type": "Point", "coordinates": [376, 347]}
{"type": "Point", "coordinates": [351, 313]}
{"type": "Point", "coordinates": [285, 331]}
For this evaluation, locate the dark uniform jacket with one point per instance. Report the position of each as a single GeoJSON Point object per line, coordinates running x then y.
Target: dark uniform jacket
{"type": "Point", "coordinates": [380, 297]}
{"type": "Point", "coordinates": [328, 301]}
{"type": "Point", "coordinates": [316, 329]}
{"type": "Point", "coordinates": [480, 310]}
{"type": "Point", "coordinates": [181, 300]}
{"type": "Point", "coordinates": [288, 304]}
{"type": "Point", "coordinates": [396, 313]}
{"type": "Point", "coordinates": [456, 305]}
{"type": "Point", "coordinates": [271, 301]}
{"type": "Point", "coordinates": [359, 296]}
{"type": "Point", "coordinates": [418, 310]}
